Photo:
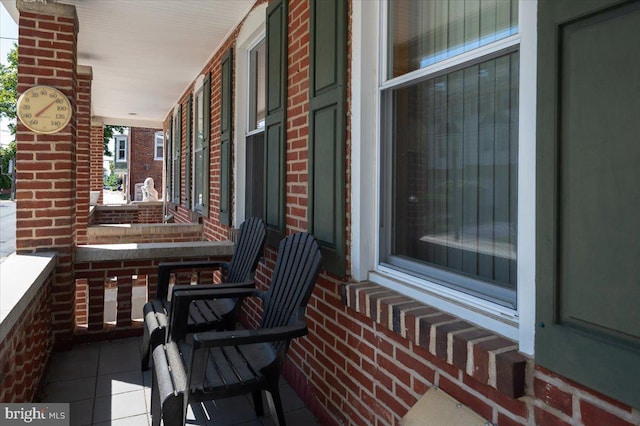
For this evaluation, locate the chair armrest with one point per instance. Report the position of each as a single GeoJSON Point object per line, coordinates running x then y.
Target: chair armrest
{"type": "Point", "coordinates": [166, 268]}
{"type": "Point", "coordinates": [182, 299]}
{"type": "Point", "coordinates": [213, 339]}
{"type": "Point", "coordinates": [206, 287]}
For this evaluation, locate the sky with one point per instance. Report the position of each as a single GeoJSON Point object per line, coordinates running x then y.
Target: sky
{"type": "Point", "coordinates": [8, 36]}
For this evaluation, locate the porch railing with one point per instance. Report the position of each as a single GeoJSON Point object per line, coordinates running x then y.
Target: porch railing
{"type": "Point", "coordinates": [113, 281]}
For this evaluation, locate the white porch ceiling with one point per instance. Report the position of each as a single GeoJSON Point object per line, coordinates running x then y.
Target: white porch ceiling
{"type": "Point", "coordinates": [145, 53]}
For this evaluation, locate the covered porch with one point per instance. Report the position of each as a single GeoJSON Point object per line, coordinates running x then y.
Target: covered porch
{"type": "Point", "coordinates": [383, 337]}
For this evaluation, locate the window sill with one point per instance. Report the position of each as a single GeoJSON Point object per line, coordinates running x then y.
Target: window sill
{"type": "Point", "coordinates": [489, 358]}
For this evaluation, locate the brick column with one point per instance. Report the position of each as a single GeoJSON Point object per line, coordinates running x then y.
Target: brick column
{"type": "Point", "coordinates": [83, 152]}
{"type": "Point", "coordinates": [46, 164]}
{"type": "Point", "coordinates": [97, 150]}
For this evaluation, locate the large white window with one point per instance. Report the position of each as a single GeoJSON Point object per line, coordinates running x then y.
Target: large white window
{"type": "Point", "coordinates": [254, 139]}
{"type": "Point", "coordinates": [451, 145]}
{"type": "Point", "coordinates": [198, 147]}
{"type": "Point", "coordinates": [249, 116]}
{"type": "Point", "coordinates": [442, 218]}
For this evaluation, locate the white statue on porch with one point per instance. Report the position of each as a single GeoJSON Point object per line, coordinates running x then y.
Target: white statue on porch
{"type": "Point", "coordinates": [149, 193]}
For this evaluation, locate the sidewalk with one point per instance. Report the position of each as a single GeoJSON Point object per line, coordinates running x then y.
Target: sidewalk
{"type": "Point", "coordinates": [113, 197]}
{"type": "Point", "coordinates": [7, 228]}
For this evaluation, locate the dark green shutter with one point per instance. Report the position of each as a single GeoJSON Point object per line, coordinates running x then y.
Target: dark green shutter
{"type": "Point", "coordinates": [206, 144]}
{"type": "Point", "coordinates": [168, 160]}
{"type": "Point", "coordinates": [177, 152]}
{"type": "Point", "coordinates": [226, 118]}
{"type": "Point", "coordinates": [276, 119]}
{"type": "Point", "coordinates": [588, 203]}
{"type": "Point", "coordinates": [327, 130]}
{"type": "Point", "coordinates": [187, 160]}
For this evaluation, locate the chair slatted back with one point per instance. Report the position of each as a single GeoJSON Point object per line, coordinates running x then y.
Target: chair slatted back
{"type": "Point", "coordinates": [295, 274]}
{"type": "Point", "coordinates": [246, 253]}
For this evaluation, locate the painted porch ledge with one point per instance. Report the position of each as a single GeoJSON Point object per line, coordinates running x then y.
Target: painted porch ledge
{"type": "Point", "coordinates": [487, 357]}
{"type": "Point", "coordinates": [21, 276]}
{"type": "Point", "coordinates": [137, 251]}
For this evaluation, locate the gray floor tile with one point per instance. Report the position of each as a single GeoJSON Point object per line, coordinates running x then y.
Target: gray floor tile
{"type": "Point", "coordinates": [301, 417]}
{"type": "Point", "coordinates": [118, 356]}
{"type": "Point", "coordinates": [290, 399]}
{"type": "Point", "coordinates": [115, 383]}
{"type": "Point", "coordinates": [120, 406]}
{"type": "Point", "coordinates": [106, 386]}
{"type": "Point", "coordinates": [67, 367]}
{"type": "Point", "coordinates": [88, 351]}
{"type": "Point", "coordinates": [81, 412]}
{"type": "Point", "coordinates": [229, 411]}
{"type": "Point", "coordinates": [141, 420]}
{"type": "Point", "coordinates": [69, 390]}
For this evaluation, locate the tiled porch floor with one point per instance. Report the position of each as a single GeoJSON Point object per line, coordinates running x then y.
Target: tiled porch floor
{"type": "Point", "coordinates": [104, 385]}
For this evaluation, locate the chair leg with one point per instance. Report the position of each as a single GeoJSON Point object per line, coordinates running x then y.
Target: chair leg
{"type": "Point", "coordinates": [277, 404]}
{"type": "Point", "coordinates": [257, 403]}
{"type": "Point", "coordinates": [155, 400]}
{"type": "Point", "coordinates": [146, 349]}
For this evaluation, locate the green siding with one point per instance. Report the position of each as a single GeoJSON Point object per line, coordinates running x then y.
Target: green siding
{"type": "Point", "coordinates": [226, 126]}
{"type": "Point", "coordinates": [327, 133]}
{"type": "Point", "coordinates": [588, 203]}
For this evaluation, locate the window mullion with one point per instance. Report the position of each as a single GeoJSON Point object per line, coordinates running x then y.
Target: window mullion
{"type": "Point", "coordinates": [446, 65]}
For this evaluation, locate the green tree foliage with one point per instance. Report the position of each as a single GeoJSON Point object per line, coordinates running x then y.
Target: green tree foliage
{"type": "Point", "coordinates": [108, 134]}
{"type": "Point", "coordinates": [9, 87]}
{"type": "Point", "coordinates": [8, 101]}
{"type": "Point", "coordinates": [7, 153]}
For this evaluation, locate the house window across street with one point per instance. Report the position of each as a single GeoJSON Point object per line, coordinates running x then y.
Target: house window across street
{"type": "Point", "coordinates": [121, 148]}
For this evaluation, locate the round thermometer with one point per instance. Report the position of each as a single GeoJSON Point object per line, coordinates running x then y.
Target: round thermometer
{"type": "Point", "coordinates": [44, 109]}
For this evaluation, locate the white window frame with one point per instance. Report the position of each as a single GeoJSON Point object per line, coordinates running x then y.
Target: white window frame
{"type": "Point", "coordinates": [198, 90]}
{"type": "Point", "coordinates": [368, 67]}
{"type": "Point", "coordinates": [158, 141]}
{"type": "Point", "coordinates": [118, 150]}
{"type": "Point", "coordinates": [252, 32]}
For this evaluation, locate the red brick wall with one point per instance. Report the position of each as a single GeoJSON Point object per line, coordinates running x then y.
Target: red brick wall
{"type": "Point", "coordinates": [128, 214]}
{"type": "Point", "coordinates": [107, 215]}
{"type": "Point", "coordinates": [25, 352]}
{"type": "Point", "coordinates": [83, 154]}
{"type": "Point", "coordinates": [297, 169]}
{"type": "Point", "coordinates": [143, 164]}
{"type": "Point", "coordinates": [150, 213]}
{"type": "Point", "coordinates": [46, 164]}
{"type": "Point", "coordinates": [97, 151]}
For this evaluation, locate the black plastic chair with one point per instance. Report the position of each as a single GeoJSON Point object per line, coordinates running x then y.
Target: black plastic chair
{"type": "Point", "coordinates": [205, 314]}
{"type": "Point", "coordinates": [216, 365]}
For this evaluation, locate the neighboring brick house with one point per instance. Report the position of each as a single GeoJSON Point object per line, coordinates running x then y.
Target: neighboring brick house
{"type": "Point", "coordinates": [146, 159]}
{"type": "Point", "coordinates": [469, 169]}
